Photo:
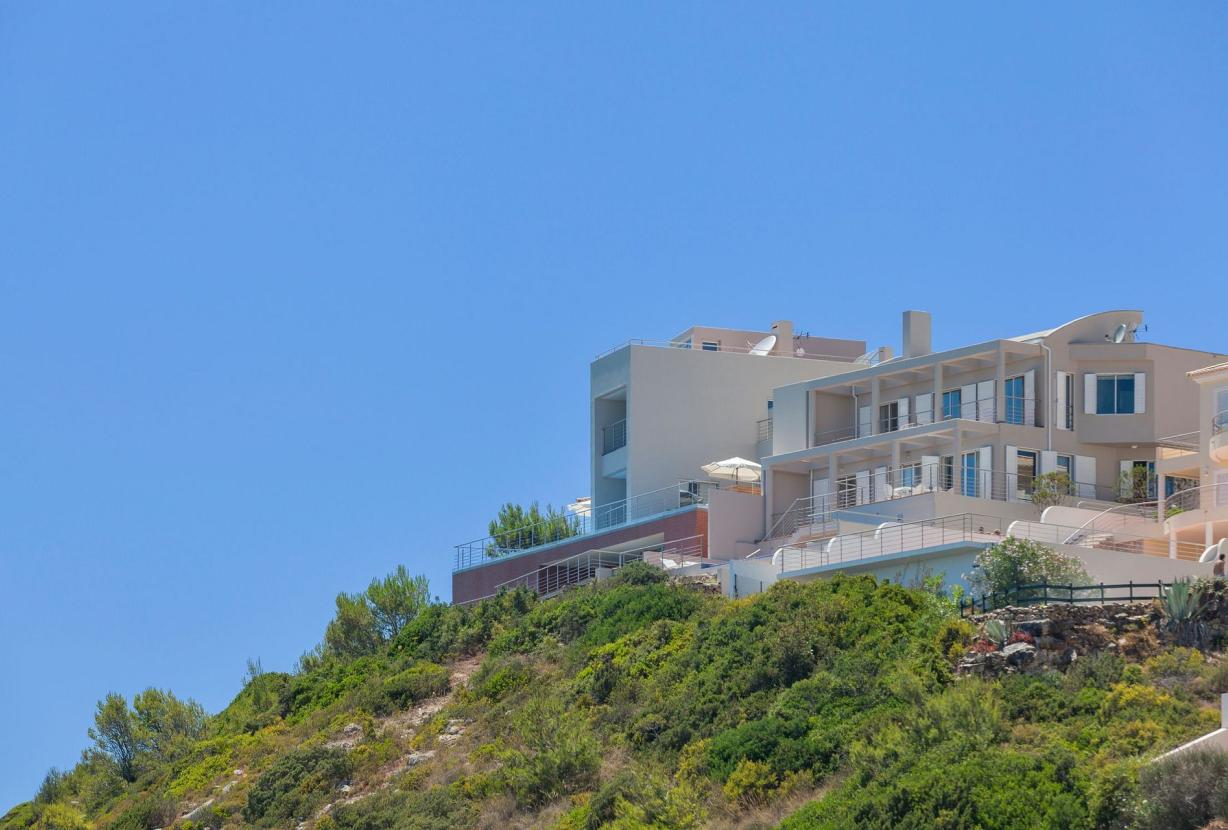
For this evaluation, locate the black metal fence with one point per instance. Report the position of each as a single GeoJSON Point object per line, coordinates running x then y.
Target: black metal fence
{"type": "Point", "coordinates": [1043, 593]}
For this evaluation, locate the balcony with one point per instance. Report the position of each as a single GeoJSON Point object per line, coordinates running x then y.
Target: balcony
{"type": "Point", "coordinates": [614, 437]}
{"type": "Point", "coordinates": [1019, 411]}
{"type": "Point", "coordinates": [1219, 438]}
{"type": "Point", "coordinates": [585, 522]}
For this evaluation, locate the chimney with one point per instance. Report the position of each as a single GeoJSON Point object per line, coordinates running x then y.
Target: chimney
{"type": "Point", "coordinates": [917, 340]}
{"type": "Point", "coordinates": [783, 329]}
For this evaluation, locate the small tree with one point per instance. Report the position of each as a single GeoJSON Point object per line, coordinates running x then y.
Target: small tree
{"type": "Point", "coordinates": [1050, 489]}
{"type": "Point", "coordinates": [115, 734]}
{"type": "Point", "coordinates": [367, 620]}
{"type": "Point", "coordinates": [1013, 562]}
{"type": "Point", "coordinates": [516, 528]}
{"type": "Point", "coordinates": [1134, 485]}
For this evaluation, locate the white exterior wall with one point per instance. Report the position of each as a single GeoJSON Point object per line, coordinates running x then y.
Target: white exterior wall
{"type": "Point", "coordinates": [687, 407]}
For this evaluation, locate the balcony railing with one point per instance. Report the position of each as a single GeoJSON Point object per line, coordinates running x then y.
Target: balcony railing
{"type": "Point", "coordinates": [1021, 411]}
{"type": "Point", "coordinates": [764, 429]}
{"type": "Point", "coordinates": [614, 437]}
{"type": "Point", "coordinates": [583, 523]}
{"type": "Point", "coordinates": [889, 483]}
{"type": "Point", "coordinates": [893, 538]}
{"type": "Point", "coordinates": [735, 349]}
{"type": "Point", "coordinates": [1219, 423]}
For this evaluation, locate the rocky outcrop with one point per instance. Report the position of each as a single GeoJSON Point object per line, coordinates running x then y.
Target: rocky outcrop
{"type": "Point", "coordinates": [1054, 636]}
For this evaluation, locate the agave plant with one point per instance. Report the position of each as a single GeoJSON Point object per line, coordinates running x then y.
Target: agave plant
{"type": "Point", "coordinates": [1181, 604]}
{"type": "Point", "coordinates": [996, 632]}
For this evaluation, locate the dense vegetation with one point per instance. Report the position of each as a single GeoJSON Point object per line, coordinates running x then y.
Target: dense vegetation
{"type": "Point", "coordinates": [644, 704]}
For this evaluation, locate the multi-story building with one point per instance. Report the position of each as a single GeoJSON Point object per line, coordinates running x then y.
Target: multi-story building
{"type": "Point", "coordinates": [1078, 436]}
{"type": "Point", "coordinates": [1197, 511]}
{"type": "Point", "coordinates": [660, 410]}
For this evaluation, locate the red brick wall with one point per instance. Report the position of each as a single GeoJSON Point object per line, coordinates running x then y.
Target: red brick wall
{"type": "Point", "coordinates": [483, 581]}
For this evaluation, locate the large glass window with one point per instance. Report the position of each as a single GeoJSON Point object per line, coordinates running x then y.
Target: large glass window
{"type": "Point", "coordinates": [711, 345]}
{"type": "Point", "coordinates": [969, 465]}
{"type": "Point", "coordinates": [846, 491]}
{"type": "Point", "coordinates": [889, 417]}
{"type": "Point", "coordinates": [950, 404]}
{"type": "Point", "coordinates": [947, 472]}
{"type": "Point", "coordinates": [1065, 464]}
{"type": "Point", "coordinates": [1115, 394]}
{"type": "Point", "coordinates": [1014, 400]}
{"type": "Point", "coordinates": [1026, 479]}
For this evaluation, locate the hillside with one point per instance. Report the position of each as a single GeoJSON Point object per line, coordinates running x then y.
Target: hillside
{"type": "Point", "coordinates": [644, 704]}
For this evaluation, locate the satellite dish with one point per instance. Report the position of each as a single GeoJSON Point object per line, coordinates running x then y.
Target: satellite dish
{"type": "Point", "coordinates": [799, 351]}
{"type": "Point", "coordinates": [764, 346]}
{"type": "Point", "coordinates": [1119, 334]}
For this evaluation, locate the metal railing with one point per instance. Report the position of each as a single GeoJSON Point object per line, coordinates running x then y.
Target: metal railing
{"type": "Point", "coordinates": [726, 347]}
{"type": "Point", "coordinates": [889, 483]}
{"type": "Point", "coordinates": [614, 436]}
{"type": "Point", "coordinates": [584, 522]}
{"type": "Point", "coordinates": [1043, 593]}
{"type": "Point", "coordinates": [764, 428]}
{"type": "Point", "coordinates": [1021, 411]}
{"type": "Point", "coordinates": [553, 577]}
{"type": "Point", "coordinates": [1205, 496]}
{"type": "Point", "coordinates": [1219, 422]}
{"type": "Point", "coordinates": [901, 537]}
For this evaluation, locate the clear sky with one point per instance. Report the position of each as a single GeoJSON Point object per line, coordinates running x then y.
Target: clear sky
{"type": "Point", "coordinates": [292, 293]}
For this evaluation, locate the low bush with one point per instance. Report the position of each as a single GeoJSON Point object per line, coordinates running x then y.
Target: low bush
{"type": "Point", "coordinates": [418, 682]}
{"type": "Point", "coordinates": [1184, 791]}
{"type": "Point", "coordinates": [295, 786]}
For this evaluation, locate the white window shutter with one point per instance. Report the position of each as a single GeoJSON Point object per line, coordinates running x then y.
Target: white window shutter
{"type": "Point", "coordinates": [1029, 398]}
{"type": "Point", "coordinates": [967, 402]}
{"type": "Point", "coordinates": [925, 409]}
{"type": "Point", "coordinates": [863, 487]}
{"type": "Point", "coordinates": [864, 422]}
{"type": "Point", "coordinates": [1012, 473]}
{"type": "Point", "coordinates": [1048, 462]}
{"type": "Point", "coordinates": [1061, 400]}
{"type": "Point", "coordinates": [929, 471]}
{"type": "Point", "coordinates": [902, 411]}
{"type": "Point", "coordinates": [1089, 393]}
{"type": "Point", "coordinates": [1085, 475]}
{"type": "Point", "coordinates": [880, 484]}
{"type": "Point", "coordinates": [1140, 392]}
{"type": "Point", "coordinates": [984, 463]}
{"type": "Point", "coordinates": [819, 488]}
{"type": "Point", "coordinates": [985, 401]}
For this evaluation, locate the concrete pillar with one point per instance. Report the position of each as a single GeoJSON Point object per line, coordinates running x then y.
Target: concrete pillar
{"type": "Point", "coordinates": [1209, 533]}
{"type": "Point", "coordinates": [875, 383]}
{"type": "Point", "coordinates": [833, 472]}
{"type": "Point", "coordinates": [767, 499]}
{"type": "Point", "coordinates": [1172, 546]}
{"type": "Point", "coordinates": [894, 481]}
{"type": "Point", "coordinates": [937, 392]}
{"type": "Point", "coordinates": [999, 392]}
{"type": "Point", "coordinates": [958, 463]}
{"type": "Point", "coordinates": [1160, 485]}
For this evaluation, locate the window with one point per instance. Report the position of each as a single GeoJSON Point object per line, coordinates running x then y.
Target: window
{"type": "Point", "coordinates": [889, 417]}
{"type": "Point", "coordinates": [946, 472]}
{"type": "Point", "coordinates": [711, 345]}
{"type": "Point", "coordinates": [1065, 464]}
{"type": "Point", "coordinates": [1221, 401]}
{"type": "Point", "coordinates": [951, 404]}
{"type": "Point", "coordinates": [1068, 415]}
{"type": "Point", "coordinates": [910, 475]}
{"type": "Point", "coordinates": [846, 491]}
{"type": "Point", "coordinates": [969, 468]}
{"type": "Point", "coordinates": [1015, 402]}
{"type": "Point", "coordinates": [1025, 481]}
{"type": "Point", "coordinates": [1115, 394]}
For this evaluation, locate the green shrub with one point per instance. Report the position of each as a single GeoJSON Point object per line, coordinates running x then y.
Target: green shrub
{"type": "Point", "coordinates": [751, 784]}
{"type": "Point", "coordinates": [1186, 790]}
{"type": "Point", "coordinates": [639, 573]}
{"type": "Point", "coordinates": [499, 676]}
{"type": "Point", "coordinates": [295, 785]}
{"type": "Point", "coordinates": [1013, 562]}
{"type": "Point", "coordinates": [416, 683]}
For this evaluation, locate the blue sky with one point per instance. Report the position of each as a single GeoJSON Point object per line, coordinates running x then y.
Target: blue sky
{"type": "Point", "coordinates": [293, 293]}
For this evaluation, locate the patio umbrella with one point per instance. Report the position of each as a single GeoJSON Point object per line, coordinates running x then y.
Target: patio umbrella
{"type": "Point", "coordinates": [735, 469]}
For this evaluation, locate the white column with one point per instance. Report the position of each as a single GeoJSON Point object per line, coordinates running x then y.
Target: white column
{"type": "Point", "coordinates": [1172, 546]}
{"type": "Point", "coordinates": [999, 392]}
{"type": "Point", "coordinates": [1209, 533]}
{"type": "Point", "coordinates": [1160, 484]}
{"type": "Point", "coordinates": [874, 392]}
{"type": "Point", "coordinates": [937, 392]}
{"type": "Point", "coordinates": [894, 480]}
{"type": "Point", "coordinates": [958, 462]}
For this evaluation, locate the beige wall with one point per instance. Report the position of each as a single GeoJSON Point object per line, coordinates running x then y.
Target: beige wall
{"type": "Point", "coordinates": [735, 524]}
{"type": "Point", "coordinates": [686, 408]}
